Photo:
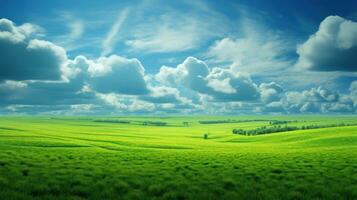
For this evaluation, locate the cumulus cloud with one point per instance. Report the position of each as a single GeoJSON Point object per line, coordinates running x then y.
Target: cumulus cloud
{"type": "Point", "coordinates": [332, 48]}
{"type": "Point", "coordinates": [65, 92]}
{"type": "Point", "coordinates": [236, 86]}
{"type": "Point", "coordinates": [48, 93]}
{"type": "Point", "coordinates": [310, 107]}
{"type": "Point", "coordinates": [270, 91]}
{"type": "Point", "coordinates": [353, 93]}
{"type": "Point", "coordinates": [318, 100]}
{"type": "Point", "coordinates": [25, 58]}
{"type": "Point", "coordinates": [163, 94]}
{"type": "Point", "coordinates": [46, 81]}
{"type": "Point", "coordinates": [274, 107]}
{"type": "Point", "coordinates": [191, 73]}
{"type": "Point", "coordinates": [126, 103]}
{"type": "Point", "coordinates": [221, 84]}
{"type": "Point", "coordinates": [141, 106]}
{"type": "Point", "coordinates": [83, 108]}
{"type": "Point", "coordinates": [318, 94]}
{"type": "Point", "coordinates": [340, 108]}
{"type": "Point", "coordinates": [112, 99]}
{"type": "Point", "coordinates": [117, 74]}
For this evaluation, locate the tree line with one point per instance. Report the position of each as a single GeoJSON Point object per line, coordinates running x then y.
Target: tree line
{"type": "Point", "coordinates": [279, 128]}
{"type": "Point", "coordinates": [230, 121]}
{"type": "Point", "coordinates": [145, 123]}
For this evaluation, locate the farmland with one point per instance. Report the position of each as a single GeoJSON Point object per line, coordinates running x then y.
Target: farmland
{"type": "Point", "coordinates": [171, 158]}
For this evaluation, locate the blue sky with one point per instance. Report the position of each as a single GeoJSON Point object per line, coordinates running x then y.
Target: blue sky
{"type": "Point", "coordinates": [178, 57]}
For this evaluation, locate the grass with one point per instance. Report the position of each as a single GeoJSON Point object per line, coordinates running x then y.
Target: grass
{"type": "Point", "coordinates": [84, 158]}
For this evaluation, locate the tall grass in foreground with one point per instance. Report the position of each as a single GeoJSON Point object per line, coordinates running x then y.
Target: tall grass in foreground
{"type": "Point", "coordinates": [86, 158]}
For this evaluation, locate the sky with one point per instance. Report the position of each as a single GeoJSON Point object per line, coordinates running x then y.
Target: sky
{"type": "Point", "coordinates": [178, 57]}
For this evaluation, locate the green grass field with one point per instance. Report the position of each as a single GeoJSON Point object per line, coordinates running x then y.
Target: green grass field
{"type": "Point", "coordinates": [97, 158]}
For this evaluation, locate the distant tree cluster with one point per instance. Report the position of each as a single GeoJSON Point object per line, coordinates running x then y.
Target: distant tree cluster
{"type": "Point", "coordinates": [113, 121]}
{"type": "Point", "coordinates": [278, 128]}
{"type": "Point", "coordinates": [230, 121]}
{"type": "Point", "coordinates": [277, 122]}
{"type": "Point", "coordinates": [154, 123]}
{"type": "Point", "coordinates": [145, 123]}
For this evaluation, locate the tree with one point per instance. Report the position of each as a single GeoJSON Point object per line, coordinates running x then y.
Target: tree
{"type": "Point", "coordinates": [205, 136]}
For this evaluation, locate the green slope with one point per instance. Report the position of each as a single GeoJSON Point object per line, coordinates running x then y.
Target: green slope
{"type": "Point", "coordinates": [78, 158]}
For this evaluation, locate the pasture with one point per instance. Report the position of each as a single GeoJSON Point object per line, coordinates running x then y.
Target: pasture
{"type": "Point", "coordinates": [170, 158]}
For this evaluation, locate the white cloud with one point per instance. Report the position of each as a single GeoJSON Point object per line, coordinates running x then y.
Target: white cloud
{"type": "Point", "coordinates": [240, 85]}
{"type": "Point", "coordinates": [118, 74]}
{"type": "Point", "coordinates": [167, 76]}
{"type": "Point", "coordinates": [164, 94]}
{"type": "Point", "coordinates": [310, 107]}
{"type": "Point", "coordinates": [340, 108]}
{"type": "Point", "coordinates": [318, 100]}
{"type": "Point", "coordinates": [274, 107]}
{"type": "Point", "coordinates": [113, 74]}
{"type": "Point", "coordinates": [12, 85]}
{"type": "Point", "coordinates": [332, 48]}
{"type": "Point", "coordinates": [353, 93]}
{"type": "Point", "coordinates": [112, 99]}
{"type": "Point", "coordinates": [270, 92]}
{"type": "Point", "coordinates": [9, 31]}
{"type": "Point", "coordinates": [125, 103]}
{"type": "Point", "coordinates": [25, 58]}
{"type": "Point", "coordinates": [112, 36]}
{"type": "Point", "coordinates": [256, 49]}
{"type": "Point", "coordinates": [115, 84]}
{"type": "Point", "coordinates": [166, 37]}
{"type": "Point", "coordinates": [82, 108]}
{"type": "Point", "coordinates": [353, 86]}
{"type": "Point", "coordinates": [141, 106]}
{"type": "Point", "coordinates": [221, 84]}
{"type": "Point", "coordinates": [317, 95]}
{"type": "Point", "coordinates": [76, 27]}
{"type": "Point", "coordinates": [171, 31]}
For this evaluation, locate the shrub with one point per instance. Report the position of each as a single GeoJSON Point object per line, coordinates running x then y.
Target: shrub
{"type": "Point", "coordinates": [205, 136]}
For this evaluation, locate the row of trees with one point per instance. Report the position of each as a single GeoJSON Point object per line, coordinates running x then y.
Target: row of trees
{"type": "Point", "coordinates": [112, 121]}
{"type": "Point", "coordinates": [145, 123]}
{"type": "Point", "coordinates": [276, 122]}
{"type": "Point", "coordinates": [271, 122]}
{"type": "Point", "coordinates": [154, 123]}
{"type": "Point", "coordinates": [278, 128]}
{"type": "Point", "coordinates": [230, 121]}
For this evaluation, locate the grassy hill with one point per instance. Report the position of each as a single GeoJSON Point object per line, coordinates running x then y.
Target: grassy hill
{"type": "Point", "coordinates": [168, 158]}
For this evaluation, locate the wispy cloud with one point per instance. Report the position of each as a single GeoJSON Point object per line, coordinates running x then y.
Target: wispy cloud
{"type": "Point", "coordinates": [165, 37]}
{"type": "Point", "coordinates": [174, 31]}
{"type": "Point", "coordinates": [75, 28]}
{"type": "Point", "coordinates": [112, 36]}
{"type": "Point", "coordinates": [256, 48]}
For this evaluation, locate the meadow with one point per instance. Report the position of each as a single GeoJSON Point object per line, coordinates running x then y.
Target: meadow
{"type": "Point", "coordinates": [176, 158]}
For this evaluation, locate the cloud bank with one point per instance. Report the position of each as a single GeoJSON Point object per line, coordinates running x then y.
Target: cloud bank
{"type": "Point", "coordinates": [39, 77]}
